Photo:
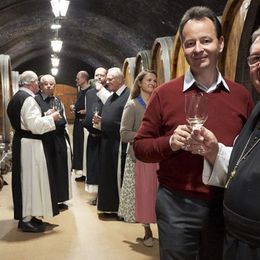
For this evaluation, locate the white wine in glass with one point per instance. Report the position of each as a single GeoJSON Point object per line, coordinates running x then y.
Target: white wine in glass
{"type": "Point", "coordinates": [95, 109]}
{"type": "Point", "coordinates": [56, 105]}
{"type": "Point", "coordinates": [196, 109]}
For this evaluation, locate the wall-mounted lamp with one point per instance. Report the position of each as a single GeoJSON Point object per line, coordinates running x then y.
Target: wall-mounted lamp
{"type": "Point", "coordinates": [59, 7]}
{"type": "Point", "coordinates": [56, 45]}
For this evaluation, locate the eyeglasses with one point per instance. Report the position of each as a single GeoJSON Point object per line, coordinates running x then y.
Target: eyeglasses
{"type": "Point", "coordinates": [253, 60]}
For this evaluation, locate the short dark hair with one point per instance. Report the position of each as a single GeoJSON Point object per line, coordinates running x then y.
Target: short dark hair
{"type": "Point", "coordinates": [198, 13]}
{"type": "Point", "coordinates": [84, 74]}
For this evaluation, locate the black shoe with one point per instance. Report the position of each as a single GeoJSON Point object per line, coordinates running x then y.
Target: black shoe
{"type": "Point", "coordinates": [105, 215]}
{"type": "Point", "coordinates": [36, 221]}
{"type": "Point", "coordinates": [80, 179]}
{"type": "Point", "coordinates": [63, 206]}
{"type": "Point", "coordinates": [30, 227]}
{"type": "Point", "coordinates": [119, 218]}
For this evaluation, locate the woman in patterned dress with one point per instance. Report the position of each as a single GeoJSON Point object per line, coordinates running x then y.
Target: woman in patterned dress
{"type": "Point", "coordinates": [138, 193]}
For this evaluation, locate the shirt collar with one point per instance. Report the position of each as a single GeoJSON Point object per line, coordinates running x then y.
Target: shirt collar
{"type": "Point", "coordinates": [120, 90]}
{"type": "Point", "coordinates": [189, 81]}
{"type": "Point", "coordinates": [44, 96]}
{"type": "Point", "coordinates": [27, 90]}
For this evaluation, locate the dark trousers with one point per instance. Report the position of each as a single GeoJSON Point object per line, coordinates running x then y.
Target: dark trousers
{"type": "Point", "coordinates": [189, 228]}
{"type": "Point", "coordinates": [238, 250]}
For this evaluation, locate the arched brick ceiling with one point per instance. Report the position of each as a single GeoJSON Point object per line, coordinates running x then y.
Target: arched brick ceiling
{"type": "Point", "coordinates": [94, 32]}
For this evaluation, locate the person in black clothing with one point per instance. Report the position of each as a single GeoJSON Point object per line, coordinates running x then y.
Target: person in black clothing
{"type": "Point", "coordinates": [78, 130]}
{"type": "Point", "coordinates": [93, 105]}
{"type": "Point", "coordinates": [32, 177]}
{"type": "Point", "coordinates": [110, 177]}
{"type": "Point", "coordinates": [58, 147]}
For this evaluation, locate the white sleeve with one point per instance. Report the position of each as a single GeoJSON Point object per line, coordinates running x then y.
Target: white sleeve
{"type": "Point", "coordinates": [32, 120]}
{"type": "Point", "coordinates": [103, 94]}
{"type": "Point", "coordinates": [217, 176]}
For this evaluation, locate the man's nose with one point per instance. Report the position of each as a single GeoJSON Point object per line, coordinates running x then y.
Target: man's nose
{"type": "Point", "coordinates": [198, 47]}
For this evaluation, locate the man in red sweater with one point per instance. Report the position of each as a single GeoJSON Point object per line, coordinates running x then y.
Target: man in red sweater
{"type": "Point", "coordinates": [189, 213]}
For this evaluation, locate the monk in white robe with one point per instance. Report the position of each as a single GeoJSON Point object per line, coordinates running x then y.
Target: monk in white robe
{"type": "Point", "coordinates": [31, 181]}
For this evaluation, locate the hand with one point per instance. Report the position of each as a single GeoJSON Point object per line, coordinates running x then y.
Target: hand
{"type": "Point", "coordinates": [96, 121]}
{"type": "Point", "coordinates": [72, 108]}
{"type": "Point", "coordinates": [205, 143]}
{"type": "Point", "coordinates": [82, 112]}
{"type": "Point", "coordinates": [180, 137]}
{"type": "Point", "coordinates": [98, 85]}
{"type": "Point", "coordinates": [49, 112]}
{"type": "Point", "coordinates": [56, 116]}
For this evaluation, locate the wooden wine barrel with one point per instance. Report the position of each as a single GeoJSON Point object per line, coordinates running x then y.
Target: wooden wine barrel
{"type": "Point", "coordinates": [162, 57]}
{"type": "Point", "coordinates": [129, 71]}
{"type": "Point", "coordinates": [6, 94]}
{"type": "Point", "coordinates": [143, 61]}
{"type": "Point", "coordinates": [179, 63]}
{"type": "Point", "coordinates": [68, 96]}
{"type": "Point", "coordinates": [239, 20]}
{"type": "Point", "coordinates": [15, 81]}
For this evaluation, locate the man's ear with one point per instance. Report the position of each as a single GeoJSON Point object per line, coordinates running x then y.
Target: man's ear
{"type": "Point", "coordinates": [221, 43]}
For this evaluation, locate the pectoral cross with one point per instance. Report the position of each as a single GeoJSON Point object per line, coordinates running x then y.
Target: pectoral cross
{"type": "Point", "coordinates": [232, 175]}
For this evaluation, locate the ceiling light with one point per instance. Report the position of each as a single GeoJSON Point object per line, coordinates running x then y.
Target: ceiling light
{"type": "Point", "coordinates": [55, 26]}
{"type": "Point", "coordinates": [56, 45]}
{"type": "Point", "coordinates": [55, 61]}
{"type": "Point", "coordinates": [60, 7]}
{"type": "Point", "coordinates": [54, 71]}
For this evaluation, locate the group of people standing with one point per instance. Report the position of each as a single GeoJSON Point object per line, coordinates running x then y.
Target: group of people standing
{"type": "Point", "coordinates": [112, 119]}
{"type": "Point", "coordinates": [139, 136]}
{"type": "Point", "coordinates": [41, 152]}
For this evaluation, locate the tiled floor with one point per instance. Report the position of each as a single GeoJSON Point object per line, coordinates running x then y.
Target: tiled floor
{"type": "Point", "coordinates": [79, 234]}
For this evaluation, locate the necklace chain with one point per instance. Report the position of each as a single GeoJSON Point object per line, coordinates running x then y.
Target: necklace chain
{"type": "Point", "coordinates": [241, 158]}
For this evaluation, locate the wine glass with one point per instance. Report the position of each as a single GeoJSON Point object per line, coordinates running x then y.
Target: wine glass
{"type": "Point", "coordinates": [196, 109]}
{"type": "Point", "coordinates": [196, 112]}
{"type": "Point", "coordinates": [56, 105]}
{"type": "Point", "coordinates": [95, 109]}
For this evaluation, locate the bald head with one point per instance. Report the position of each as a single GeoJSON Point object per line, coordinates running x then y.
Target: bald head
{"type": "Point", "coordinates": [82, 79]}
{"type": "Point", "coordinates": [101, 75]}
{"type": "Point", "coordinates": [255, 35]}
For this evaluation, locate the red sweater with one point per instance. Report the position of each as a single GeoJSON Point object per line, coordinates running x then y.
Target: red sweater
{"type": "Point", "coordinates": [181, 171]}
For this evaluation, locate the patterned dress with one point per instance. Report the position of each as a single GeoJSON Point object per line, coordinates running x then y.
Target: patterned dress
{"type": "Point", "coordinates": [127, 195]}
{"type": "Point", "coordinates": [139, 188]}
